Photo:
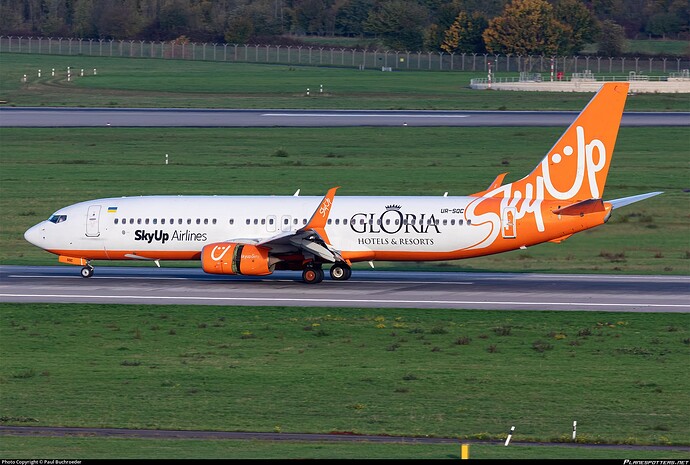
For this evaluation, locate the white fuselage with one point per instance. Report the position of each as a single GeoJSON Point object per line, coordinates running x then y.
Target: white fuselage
{"type": "Point", "coordinates": [177, 227]}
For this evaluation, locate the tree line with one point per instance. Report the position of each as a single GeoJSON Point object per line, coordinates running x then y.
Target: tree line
{"type": "Point", "coordinates": [545, 27]}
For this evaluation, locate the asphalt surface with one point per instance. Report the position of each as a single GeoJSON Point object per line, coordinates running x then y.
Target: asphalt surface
{"type": "Point", "coordinates": [366, 289]}
{"type": "Point", "coordinates": [168, 117]}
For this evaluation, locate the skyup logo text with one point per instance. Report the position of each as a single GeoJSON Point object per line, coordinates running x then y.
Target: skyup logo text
{"type": "Point", "coordinates": [161, 236]}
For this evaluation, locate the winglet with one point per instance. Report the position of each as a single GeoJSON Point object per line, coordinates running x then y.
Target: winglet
{"type": "Point", "coordinates": [320, 217]}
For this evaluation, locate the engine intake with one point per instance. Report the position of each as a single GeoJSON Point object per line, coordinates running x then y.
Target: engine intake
{"type": "Point", "coordinates": [233, 258]}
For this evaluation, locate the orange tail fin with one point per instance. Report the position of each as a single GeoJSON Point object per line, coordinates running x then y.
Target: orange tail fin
{"type": "Point", "coordinates": [577, 165]}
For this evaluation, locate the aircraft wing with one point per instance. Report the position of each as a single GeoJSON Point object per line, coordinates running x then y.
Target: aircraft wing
{"type": "Point", "coordinates": [312, 238]}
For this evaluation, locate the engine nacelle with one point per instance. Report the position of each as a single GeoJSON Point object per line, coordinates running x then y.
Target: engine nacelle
{"type": "Point", "coordinates": [233, 258]}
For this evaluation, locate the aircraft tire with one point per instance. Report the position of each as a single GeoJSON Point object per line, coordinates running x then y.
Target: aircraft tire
{"type": "Point", "coordinates": [87, 272]}
{"type": "Point", "coordinates": [340, 272]}
{"type": "Point", "coordinates": [312, 275]}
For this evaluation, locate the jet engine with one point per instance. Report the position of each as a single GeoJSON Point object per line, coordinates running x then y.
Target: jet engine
{"type": "Point", "coordinates": [233, 258]}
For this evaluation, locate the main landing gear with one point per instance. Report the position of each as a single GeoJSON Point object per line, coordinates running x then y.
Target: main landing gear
{"type": "Point", "coordinates": [341, 272]}
{"type": "Point", "coordinates": [313, 274]}
{"type": "Point", "coordinates": [87, 271]}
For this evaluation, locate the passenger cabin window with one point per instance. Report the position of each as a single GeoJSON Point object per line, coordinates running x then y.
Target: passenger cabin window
{"type": "Point", "coordinates": [232, 221]}
{"type": "Point", "coordinates": [116, 220]}
{"type": "Point", "coordinates": [155, 221]}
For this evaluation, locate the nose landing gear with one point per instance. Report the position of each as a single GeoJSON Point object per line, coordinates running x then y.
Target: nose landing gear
{"type": "Point", "coordinates": [87, 271]}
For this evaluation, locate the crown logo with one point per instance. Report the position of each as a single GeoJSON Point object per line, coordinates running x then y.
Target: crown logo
{"type": "Point", "coordinates": [393, 207]}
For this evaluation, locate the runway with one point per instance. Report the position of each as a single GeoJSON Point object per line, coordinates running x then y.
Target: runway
{"type": "Point", "coordinates": [366, 289]}
{"type": "Point", "coordinates": [171, 117]}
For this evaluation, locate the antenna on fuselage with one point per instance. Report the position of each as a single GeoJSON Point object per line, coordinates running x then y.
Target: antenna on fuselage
{"type": "Point", "coordinates": [296, 194]}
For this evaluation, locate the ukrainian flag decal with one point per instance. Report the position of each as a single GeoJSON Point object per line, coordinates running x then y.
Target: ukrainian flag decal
{"type": "Point", "coordinates": [112, 209]}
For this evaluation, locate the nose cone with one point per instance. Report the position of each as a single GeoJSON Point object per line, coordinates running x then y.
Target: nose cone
{"type": "Point", "coordinates": [34, 235]}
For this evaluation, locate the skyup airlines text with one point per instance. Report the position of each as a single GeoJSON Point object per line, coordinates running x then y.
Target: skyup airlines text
{"type": "Point", "coordinates": [161, 236]}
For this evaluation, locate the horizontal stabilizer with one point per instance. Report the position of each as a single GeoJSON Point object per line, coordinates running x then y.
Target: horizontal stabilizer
{"type": "Point", "coordinates": [582, 208]}
{"type": "Point", "coordinates": [617, 203]}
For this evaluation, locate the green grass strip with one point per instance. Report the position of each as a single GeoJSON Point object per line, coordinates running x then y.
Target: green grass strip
{"type": "Point", "coordinates": [446, 373]}
{"type": "Point", "coordinates": [137, 82]}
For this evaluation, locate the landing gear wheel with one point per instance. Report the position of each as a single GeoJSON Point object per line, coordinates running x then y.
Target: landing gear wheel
{"type": "Point", "coordinates": [87, 271]}
{"type": "Point", "coordinates": [312, 275]}
{"type": "Point", "coordinates": [340, 272]}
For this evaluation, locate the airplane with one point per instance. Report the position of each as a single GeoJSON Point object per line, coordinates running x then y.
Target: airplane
{"type": "Point", "coordinates": [255, 235]}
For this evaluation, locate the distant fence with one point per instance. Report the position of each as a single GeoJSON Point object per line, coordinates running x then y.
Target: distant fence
{"type": "Point", "coordinates": [342, 57]}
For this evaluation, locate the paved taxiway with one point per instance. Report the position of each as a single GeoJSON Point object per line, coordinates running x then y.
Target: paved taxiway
{"type": "Point", "coordinates": [366, 289]}
{"type": "Point", "coordinates": [169, 117]}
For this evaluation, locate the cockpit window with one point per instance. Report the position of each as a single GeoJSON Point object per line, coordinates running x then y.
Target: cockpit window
{"type": "Point", "coordinates": [57, 218]}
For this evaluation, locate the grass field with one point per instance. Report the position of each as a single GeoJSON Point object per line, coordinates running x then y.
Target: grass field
{"type": "Point", "coordinates": [80, 164]}
{"type": "Point", "coordinates": [466, 374]}
{"type": "Point", "coordinates": [136, 82]}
